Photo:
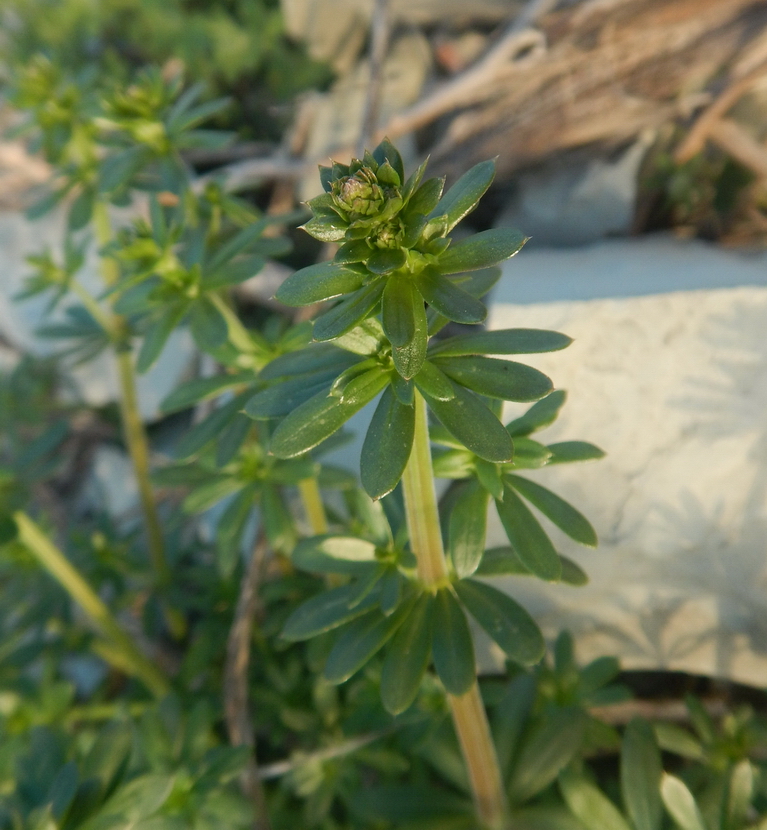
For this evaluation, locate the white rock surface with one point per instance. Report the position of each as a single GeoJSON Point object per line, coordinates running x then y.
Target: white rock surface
{"type": "Point", "coordinates": [19, 320]}
{"type": "Point", "coordinates": [673, 386]}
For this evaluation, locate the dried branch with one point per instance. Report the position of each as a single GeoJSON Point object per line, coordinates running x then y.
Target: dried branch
{"type": "Point", "coordinates": [238, 721]}
{"type": "Point", "coordinates": [477, 82]}
{"type": "Point", "coordinates": [379, 43]}
{"type": "Point", "coordinates": [702, 129]}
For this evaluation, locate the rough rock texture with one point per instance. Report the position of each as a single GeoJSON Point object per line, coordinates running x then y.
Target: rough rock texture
{"type": "Point", "coordinates": [673, 386]}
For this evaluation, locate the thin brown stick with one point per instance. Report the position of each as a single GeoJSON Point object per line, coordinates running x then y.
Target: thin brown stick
{"type": "Point", "coordinates": [701, 130]}
{"type": "Point", "coordinates": [476, 81]}
{"type": "Point", "coordinates": [238, 721]}
{"type": "Point", "coordinates": [379, 44]}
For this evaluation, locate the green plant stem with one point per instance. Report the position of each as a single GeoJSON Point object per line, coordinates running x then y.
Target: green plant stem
{"type": "Point", "coordinates": [138, 448]}
{"type": "Point", "coordinates": [133, 427]}
{"type": "Point", "coordinates": [313, 507]}
{"type": "Point", "coordinates": [110, 270]}
{"type": "Point", "coordinates": [128, 657]}
{"type": "Point", "coordinates": [468, 711]}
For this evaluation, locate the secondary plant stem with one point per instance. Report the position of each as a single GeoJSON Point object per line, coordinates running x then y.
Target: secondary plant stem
{"type": "Point", "coordinates": [469, 715]}
{"type": "Point", "coordinates": [133, 427]}
{"type": "Point", "coordinates": [138, 448]}
{"type": "Point", "coordinates": [129, 658]}
{"type": "Point", "coordinates": [313, 507]}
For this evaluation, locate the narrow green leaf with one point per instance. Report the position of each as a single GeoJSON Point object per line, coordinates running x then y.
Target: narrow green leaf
{"type": "Point", "coordinates": [282, 398]}
{"type": "Point", "coordinates": [504, 561]}
{"type": "Point", "coordinates": [317, 283]}
{"type": "Point", "coordinates": [231, 527]}
{"type": "Point", "coordinates": [489, 475]}
{"type": "Point", "coordinates": [157, 336]}
{"type": "Point", "coordinates": [349, 313]}
{"type": "Point", "coordinates": [326, 611]}
{"type": "Point", "coordinates": [482, 250]}
{"type": "Point", "coordinates": [360, 640]}
{"type": "Point", "coordinates": [365, 386]}
{"type": "Point", "coordinates": [210, 492]}
{"type": "Point", "coordinates": [448, 299]}
{"type": "Point", "coordinates": [403, 389]}
{"type": "Point", "coordinates": [529, 454]}
{"type": "Point", "coordinates": [386, 151]}
{"type": "Point", "coordinates": [540, 415]}
{"type": "Point", "coordinates": [427, 197]}
{"type": "Point", "coordinates": [741, 793]}
{"type": "Point", "coordinates": [452, 648]}
{"type": "Point", "coordinates": [209, 428]}
{"type": "Point", "coordinates": [387, 445]}
{"type": "Point", "coordinates": [326, 228]}
{"type": "Point", "coordinates": [641, 772]}
{"type": "Point", "coordinates": [472, 423]}
{"type": "Point", "coordinates": [232, 438]}
{"type": "Point", "coordinates": [386, 260]}
{"type": "Point", "coordinates": [673, 738]}
{"type": "Point", "coordinates": [409, 358]}
{"type": "Point", "coordinates": [563, 515]}
{"type": "Point", "coordinates": [528, 538]}
{"type": "Point", "coordinates": [234, 273]}
{"type": "Point", "coordinates": [510, 716]}
{"type": "Point", "coordinates": [434, 383]}
{"type": "Point", "coordinates": [680, 803]}
{"type": "Point", "coordinates": [454, 464]}
{"type": "Point", "coordinates": [407, 658]}
{"type": "Point", "coordinates": [465, 194]}
{"type": "Point", "coordinates": [365, 339]}
{"type": "Point", "coordinates": [545, 751]}
{"type": "Point", "coordinates": [413, 182]}
{"type": "Point", "coordinates": [397, 309]}
{"type": "Point", "coordinates": [81, 210]}
{"type": "Point", "coordinates": [316, 357]}
{"type": "Point", "coordinates": [565, 452]}
{"type": "Point", "coordinates": [334, 554]}
{"type": "Point", "coordinates": [209, 328]}
{"type": "Point", "coordinates": [200, 389]}
{"type": "Point", "coordinates": [312, 423]}
{"type": "Point", "coordinates": [502, 341]}
{"type": "Point", "coordinates": [588, 803]}
{"type": "Point", "coordinates": [503, 379]}
{"type": "Point", "coordinates": [468, 527]}
{"type": "Point", "coordinates": [505, 620]}
{"type": "Point", "coordinates": [355, 250]}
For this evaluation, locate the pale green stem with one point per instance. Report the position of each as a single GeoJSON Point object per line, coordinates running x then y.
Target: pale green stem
{"type": "Point", "coordinates": [110, 270]}
{"type": "Point", "coordinates": [138, 448]}
{"type": "Point", "coordinates": [468, 711]}
{"type": "Point", "coordinates": [127, 656]}
{"type": "Point", "coordinates": [313, 507]}
{"type": "Point", "coordinates": [134, 432]}
{"type": "Point", "coordinates": [239, 336]}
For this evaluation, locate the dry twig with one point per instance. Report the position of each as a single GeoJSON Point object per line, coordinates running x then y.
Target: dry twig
{"type": "Point", "coordinates": [238, 721]}
{"type": "Point", "coordinates": [379, 43]}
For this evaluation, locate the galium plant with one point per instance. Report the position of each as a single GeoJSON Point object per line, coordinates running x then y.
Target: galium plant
{"type": "Point", "coordinates": [399, 277]}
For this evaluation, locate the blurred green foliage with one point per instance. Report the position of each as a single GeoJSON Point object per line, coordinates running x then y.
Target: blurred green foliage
{"type": "Point", "coordinates": [237, 47]}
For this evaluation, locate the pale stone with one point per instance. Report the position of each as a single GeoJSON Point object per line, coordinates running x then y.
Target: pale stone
{"type": "Point", "coordinates": [673, 386]}
{"type": "Point", "coordinates": [20, 319]}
